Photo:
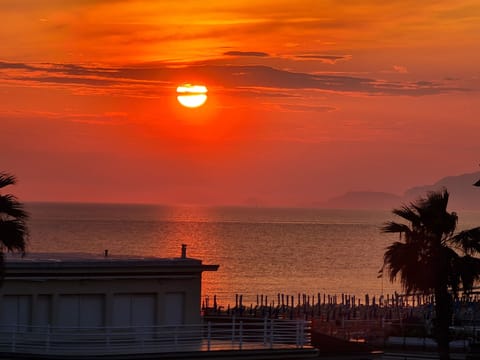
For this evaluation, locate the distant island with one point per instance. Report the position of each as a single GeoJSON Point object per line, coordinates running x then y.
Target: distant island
{"type": "Point", "coordinates": [364, 200]}
{"type": "Point", "coordinates": [463, 195]}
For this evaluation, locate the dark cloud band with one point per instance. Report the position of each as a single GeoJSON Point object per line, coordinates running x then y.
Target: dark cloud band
{"type": "Point", "coordinates": [246, 53]}
{"type": "Point", "coordinates": [236, 77]}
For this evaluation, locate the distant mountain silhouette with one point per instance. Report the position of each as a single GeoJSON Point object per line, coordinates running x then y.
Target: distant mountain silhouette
{"type": "Point", "coordinates": [463, 195]}
{"type": "Point", "coordinates": [364, 200]}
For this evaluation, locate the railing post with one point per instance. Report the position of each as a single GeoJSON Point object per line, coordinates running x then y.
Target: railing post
{"type": "Point", "coordinates": [175, 337]}
{"type": "Point", "coordinates": [297, 334]}
{"type": "Point", "coordinates": [47, 340]}
{"type": "Point", "coordinates": [271, 334]}
{"type": "Point", "coordinates": [142, 337]}
{"type": "Point", "coordinates": [107, 334]}
{"type": "Point", "coordinates": [302, 333]}
{"type": "Point", "coordinates": [14, 335]}
{"type": "Point", "coordinates": [209, 335]}
{"type": "Point", "coordinates": [265, 329]}
{"type": "Point", "coordinates": [241, 335]}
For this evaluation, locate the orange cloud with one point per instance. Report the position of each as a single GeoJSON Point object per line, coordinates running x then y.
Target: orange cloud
{"type": "Point", "coordinates": [400, 69]}
{"type": "Point", "coordinates": [190, 30]}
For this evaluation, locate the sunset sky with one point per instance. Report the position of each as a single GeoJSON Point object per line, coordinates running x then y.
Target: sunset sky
{"type": "Point", "coordinates": [306, 99]}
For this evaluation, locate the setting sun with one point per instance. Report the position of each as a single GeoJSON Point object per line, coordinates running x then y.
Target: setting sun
{"type": "Point", "coordinates": [192, 96]}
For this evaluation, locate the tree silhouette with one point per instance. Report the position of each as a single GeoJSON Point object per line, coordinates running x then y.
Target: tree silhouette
{"type": "Point", "coordinates": [13, 222]}
{"type": "Point", "coordinates": [432, 258]}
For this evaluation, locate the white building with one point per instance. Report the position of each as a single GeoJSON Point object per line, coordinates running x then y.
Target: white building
{"type": "Point", "coordinates": [76, 305]}
{"type": "Point", "coordinates": [87, 291]}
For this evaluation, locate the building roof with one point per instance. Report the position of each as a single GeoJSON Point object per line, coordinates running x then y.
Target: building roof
{"type": "Point", "coordinates": [61, 265]}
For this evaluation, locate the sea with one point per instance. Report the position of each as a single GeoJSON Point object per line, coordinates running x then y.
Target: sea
{"type": "Point", "coordinates": [261, 251]}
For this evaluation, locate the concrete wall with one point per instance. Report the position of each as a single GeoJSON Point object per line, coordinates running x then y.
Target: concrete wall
{"type": "Point", "coordinates": [101, 302]}
{"type": "Point", "coordinates": [84, 290]}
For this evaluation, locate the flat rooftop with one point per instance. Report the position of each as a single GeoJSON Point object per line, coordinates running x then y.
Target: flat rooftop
{"type": "Point", "coordinates": [41, 264]}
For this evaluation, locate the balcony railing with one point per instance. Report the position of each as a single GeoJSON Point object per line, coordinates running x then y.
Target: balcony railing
{"type": "Point", "coordinates": [209, 336]}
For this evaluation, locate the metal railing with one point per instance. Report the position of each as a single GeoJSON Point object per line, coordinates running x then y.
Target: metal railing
{"type": "Point", "coordinates": [210, 336]}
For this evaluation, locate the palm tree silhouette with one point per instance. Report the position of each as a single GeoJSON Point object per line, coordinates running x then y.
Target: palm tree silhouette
{"type": "Point", "coordinates": [13, 222]}
{"type": "Point", "coordinates": [432, 258]}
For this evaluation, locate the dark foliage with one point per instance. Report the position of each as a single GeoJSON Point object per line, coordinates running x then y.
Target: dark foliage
{"type": "Point", "coordinates": [432, 258]}
{"type": "Point", "coordinates": [13, 222]}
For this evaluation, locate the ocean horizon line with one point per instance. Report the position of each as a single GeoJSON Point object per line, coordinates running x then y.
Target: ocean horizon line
{"type": "Point", "coordinates": [179, 205]}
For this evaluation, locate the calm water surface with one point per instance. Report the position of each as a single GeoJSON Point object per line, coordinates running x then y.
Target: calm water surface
{"type": "Point", "coordinates": [259, 250]}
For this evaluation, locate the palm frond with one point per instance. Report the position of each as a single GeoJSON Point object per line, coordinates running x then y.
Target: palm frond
{"type": "Point", "coordinates": [7, 179]}
{"type": "Point", "coordinates": [405, 260]}
{"type": "Point", "coordinates": [468, 240]}
{"type": "Point", "coordinates": [466, 269]}
{"type": "Point", "coordinates": [408, 213]}
{"type": "Point", "coordinates": [10, 206]}
{"type": "Point", "coordinates": [13, 223]}
{"type": "Point", "coordinates": [435, 200]}
{"type": "Point", "coordinates": [13, 235]}
{"type": "Point", "coordinates": [2, 267]}
{"type": "Point", "coordinates": [394, 227]}
{"type": "Point", "coordinates": [435, 219]}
